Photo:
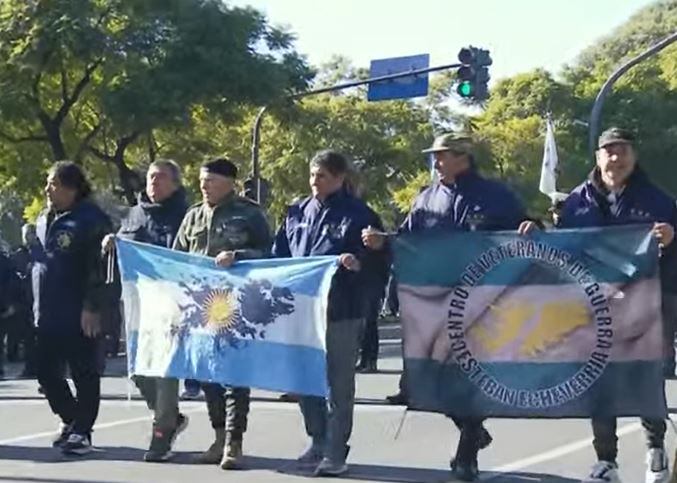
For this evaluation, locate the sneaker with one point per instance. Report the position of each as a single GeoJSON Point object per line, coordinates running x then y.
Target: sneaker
{"type": "Point", "coordinates": [62, 435]}
{"type": "Point", "coordinates": [162, 442]}
{"type": "Point", "coordinates": [312, 456]}
{"type": "Point", "coordinates": [328, 467]}
{"type": "Point", "coordinates": [232, 456]}
{"type": "Point", "coordinates": [657, 464]}
{"type": "Point", "coordinates": [77, 444]}
{"type": "Point", "coordinates": [160, 447]}
{"type": "Point", "coordinates": [603, 472]}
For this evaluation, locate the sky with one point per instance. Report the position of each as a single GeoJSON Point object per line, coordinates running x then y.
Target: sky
{"type": "Point", "coordinates": [520, 34]}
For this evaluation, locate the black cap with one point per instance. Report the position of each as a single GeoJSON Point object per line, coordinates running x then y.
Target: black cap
{"type": "Point", "coordinates": [615, 135]}
{"type": "Point", "coordinates": [221, 166]}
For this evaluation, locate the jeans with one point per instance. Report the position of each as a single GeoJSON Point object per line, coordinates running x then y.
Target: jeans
{"type": "Point", "coordinates": [162, 397]}
{"type": "Point", "coordinates": [605, 440]}
{"type": "Point", "coordinates": [82, 355]}
{"type": "Point", "coordinates": [329, 422]}
{"type": "Point", "coordinates": [369, 344]}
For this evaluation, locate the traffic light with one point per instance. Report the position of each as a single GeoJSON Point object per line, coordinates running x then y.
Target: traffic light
{"type": "Point", "coordinates": [473, 74]}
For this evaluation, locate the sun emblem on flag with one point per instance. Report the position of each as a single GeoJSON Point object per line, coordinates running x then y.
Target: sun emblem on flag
{"type": "Point", "coordinates": [219, 311]}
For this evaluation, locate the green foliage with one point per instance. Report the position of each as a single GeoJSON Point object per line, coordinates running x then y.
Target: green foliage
{"type": "Point", "coordinates": [92, 79]}
{"type": "Point", "coordinates": [114, 84]}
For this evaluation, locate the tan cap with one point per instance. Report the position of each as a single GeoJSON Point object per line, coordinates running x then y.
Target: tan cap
{"type": "Point", "coordinates": [451, 142]}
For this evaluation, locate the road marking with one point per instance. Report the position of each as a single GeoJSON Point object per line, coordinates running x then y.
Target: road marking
{"type": "Point", "coordinates": [552, 454]}
{"type": "Point", "coordinates": [112, 424]}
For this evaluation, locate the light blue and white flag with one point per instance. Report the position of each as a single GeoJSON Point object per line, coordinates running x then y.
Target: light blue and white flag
{"type": "Point", "coordinates": [257, 324]}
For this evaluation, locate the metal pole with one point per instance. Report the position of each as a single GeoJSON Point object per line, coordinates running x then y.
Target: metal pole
{"type": "Point", "coordinates": [256, 130]}
{"type": "Point", "coordinates": [256, 141]}
{"type": "Point", "coordinates": [599, 101]}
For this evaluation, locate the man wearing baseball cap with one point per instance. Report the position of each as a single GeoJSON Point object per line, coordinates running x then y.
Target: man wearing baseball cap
{"type": "Point", "coordinates": [618, 192]}
{"type": "Point", "coordinates": [461, 200]}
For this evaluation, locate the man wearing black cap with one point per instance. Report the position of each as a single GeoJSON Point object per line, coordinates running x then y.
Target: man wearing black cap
{"type": "Point", "coordinates": [229, 228]}
{"type": "Point", "coordinates": [461, 200]}
{"type": "Point", "coordinates": [618, 192]}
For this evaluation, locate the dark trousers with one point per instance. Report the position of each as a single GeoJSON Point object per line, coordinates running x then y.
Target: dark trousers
{"type": "Point", "coordinates": [82, 356]}
{"type": "Point", "coordinates": [605, 440]}
{"type": "Point", "coordinates": [228, 408]}
{"type": "Point", "coordinates": [468, 441]}
{"type": "Point", "coordinates": [369, 344]}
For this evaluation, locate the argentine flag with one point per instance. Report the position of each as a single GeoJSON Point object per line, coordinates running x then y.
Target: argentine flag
{"type": "Point", "coordinates": [257, 324]}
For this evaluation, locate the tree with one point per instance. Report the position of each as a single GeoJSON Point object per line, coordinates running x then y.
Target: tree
{"type": "Point", "coordinates": [92, 78]}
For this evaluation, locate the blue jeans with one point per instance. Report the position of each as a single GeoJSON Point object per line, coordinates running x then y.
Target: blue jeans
{"type": "Point", "coordinates": [329, 422]}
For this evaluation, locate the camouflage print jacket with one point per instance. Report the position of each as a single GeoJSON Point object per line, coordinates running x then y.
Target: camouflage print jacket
{"type": "Point", "coordinates": [236, 224]}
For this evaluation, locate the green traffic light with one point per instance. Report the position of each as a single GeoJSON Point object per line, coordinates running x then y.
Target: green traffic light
{"type": "Point", "coordinates": [465, 89]}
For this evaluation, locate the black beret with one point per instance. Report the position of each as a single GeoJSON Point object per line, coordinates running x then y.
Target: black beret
{"type": "Point", "coordinates": [221, 166]}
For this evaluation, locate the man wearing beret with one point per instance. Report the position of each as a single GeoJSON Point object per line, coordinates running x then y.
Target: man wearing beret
{"type": "Point", "coordinates": [618, 192]}
{"type": "Point", "coordinates": [229, 228]}
{"type": "Point", "coordinates": [462, 200]}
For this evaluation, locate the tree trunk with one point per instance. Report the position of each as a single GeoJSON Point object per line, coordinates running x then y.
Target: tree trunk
{"type": "Point", "coordinates": [53, 133]}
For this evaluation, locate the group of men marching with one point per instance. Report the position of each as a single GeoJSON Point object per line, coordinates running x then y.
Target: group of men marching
{"type": "Point", "coordinates": [70, 284]}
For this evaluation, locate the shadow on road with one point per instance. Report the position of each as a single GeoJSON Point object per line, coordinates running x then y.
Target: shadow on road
{"type": "Point", "coordinates": [376, 473]}
{"type": "Point", "coordinates": [47, 480]}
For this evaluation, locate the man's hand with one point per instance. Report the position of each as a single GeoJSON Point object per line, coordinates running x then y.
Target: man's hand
{"type": "Point", "coordinates": [350, 262]}
{"type": "Point", "coordinates": [664, 233]}
{"type": "Point", "coordinates": [225, 259]}
{"type": "Point", "coordinates": [373, 238]}
{"type": "Point", "coordinates": [108, 244]}
{"type": "Point", "coordinates": [526, 227]}
{"type": "Point", "coordinates": [90, 323]}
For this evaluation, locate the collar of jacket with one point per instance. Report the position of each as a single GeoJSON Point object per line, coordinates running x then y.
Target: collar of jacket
{"type": "Point", "coordinates": [636, 178]}
{"type": "Point", "coordinates": [463, 180]}
{"type": "Point", "coordinates": [334, 199]}
{"type": "Point", "coordinates": [53, 213]}
{"type": "Point", "coordinates": [178, 198]}
{"type": "Point", "coordinates": [226, 201]}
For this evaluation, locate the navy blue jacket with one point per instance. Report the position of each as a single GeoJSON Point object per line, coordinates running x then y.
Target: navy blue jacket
{"type": "Point", "coordinates": [471, 203]}
{"type": "Point", "coordinates": [640, 202]}
{"type": "Point", "coordinates": [68, 270]}
{"type": "Point", "coordinates": [155, 223]}
{"type": "Point", "coordinates": [332, 227]}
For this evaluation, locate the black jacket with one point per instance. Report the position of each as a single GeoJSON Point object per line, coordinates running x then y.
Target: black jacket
{"type": "Point", "coordinates": [155, 223]}
{"type": "Point", "coordinates": [68, 271]}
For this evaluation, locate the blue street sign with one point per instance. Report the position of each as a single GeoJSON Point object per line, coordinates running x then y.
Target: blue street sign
{"type": "Point", "coordinates": [404, 87]}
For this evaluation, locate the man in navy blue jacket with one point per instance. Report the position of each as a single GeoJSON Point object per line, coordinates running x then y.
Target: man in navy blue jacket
{"type": "Point", "coordinates": [330, 222]}
{"type": "Point", "coordinates": [69, 292]}
{"type": "Point", "coordinates": [462, 200]}
{"type": "Point", "coordinates": [618, 192]}
{"type": "Point", "coordinates": [155, 219]}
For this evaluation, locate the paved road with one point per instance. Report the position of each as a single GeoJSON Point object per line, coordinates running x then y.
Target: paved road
{"type": "Point", "coordinates": [524, 451]}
